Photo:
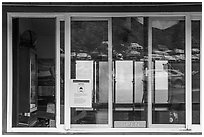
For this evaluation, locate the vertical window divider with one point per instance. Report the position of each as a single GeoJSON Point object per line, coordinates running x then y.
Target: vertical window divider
{"type": "Point", "coordinates": [110, 96]}
{"type": "Point", "coordinates": [67, 115]}
{"type": "Point", "coordinates": [149, 107]}
{"type": "Point", "coordinates": [201, 78]}
{"type": "Point", "coordinates": [9, 72]}
{"type": "Point", "coordinates": [57, 65]}
{"type": "Point", "coordinates": [188, 68]}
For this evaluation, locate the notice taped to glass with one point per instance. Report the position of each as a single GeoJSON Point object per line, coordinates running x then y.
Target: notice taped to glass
{"type": "Point", "coordinates": [81, 93]}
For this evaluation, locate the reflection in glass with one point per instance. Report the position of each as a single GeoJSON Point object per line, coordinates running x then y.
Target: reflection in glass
{"type": "Point", "coordinates": [168, 56]}
{"type": "Point", "coordinates": [89, 72]}
{"type": "Point", "coordinates": [62, 53]}
{"type": "Point", "coordinates": [196, 71]}
{"type": "Point", "coordinates": [34, 72]}
{"type": "Point", "coordinates": [130, 62]}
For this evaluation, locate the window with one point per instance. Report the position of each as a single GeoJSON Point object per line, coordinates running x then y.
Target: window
{"type": "Point", "coordinates": [81, 72]}
{"type": "Point", "coordinates": [34, 95]}
{"type": "Point", "coordinates": [89, 62]}
{"type": "Point", "coordinates": [130, 85]}
{"type": "Point", "coordinates": [195, 57]}
{"type": "Point", "coordinates": [168, 44]}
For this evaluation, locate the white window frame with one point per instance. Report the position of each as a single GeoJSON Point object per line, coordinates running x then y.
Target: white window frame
{"type": "Point", "coordinates": [66, 17]}
{"type": "Point", "coordinates": [67, 67]}
{"type": "Point", "coordinates": [151, 78]}
{"type": "Point", "coordinates": [57, 18]}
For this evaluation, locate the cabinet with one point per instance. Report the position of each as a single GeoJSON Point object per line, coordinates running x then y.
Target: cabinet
{"type": "Point", "coordinates": [27, 82]}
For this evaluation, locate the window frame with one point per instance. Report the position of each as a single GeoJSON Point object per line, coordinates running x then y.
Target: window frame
{"type": "Point", "coordinates": [10, 16]}
{"type": "Point", "coordinates": [189, 16]}
{"type": "Point", "coordinates": [109, 25]}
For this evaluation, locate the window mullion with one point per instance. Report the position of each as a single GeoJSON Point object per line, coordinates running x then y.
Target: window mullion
{"type": "Point", "coordinates": [67, 116]}
{"type": "Point", "coordinates": [188, 68]}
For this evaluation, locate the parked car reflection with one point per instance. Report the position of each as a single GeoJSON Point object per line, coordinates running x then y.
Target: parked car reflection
{"type": "Point", "coordinates": [175, 77]}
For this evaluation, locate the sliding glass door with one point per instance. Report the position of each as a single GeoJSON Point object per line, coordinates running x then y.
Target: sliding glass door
{"type": "Point", "coordinates": [130, 59]}
{"type": "Point", "coordinates": [168, 71]}
{"type": "Point", "coordinates": [90, 72]}
{"type": "Point", "coordinates": [108, 72]}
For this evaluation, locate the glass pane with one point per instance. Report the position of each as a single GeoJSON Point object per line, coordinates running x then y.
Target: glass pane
{"type": "Point", "coordinates": [129, 58]}
{"type": "Point", "coordinates": [62, 53]}
{"type": "Point", "coordinates": [34, 72]}
{"type": "Point", "coordinates": [168, 71]}
{"type": "Point", "coordinates": [89, 72]}
{"type": "Point", "coordinates": [196, 71]}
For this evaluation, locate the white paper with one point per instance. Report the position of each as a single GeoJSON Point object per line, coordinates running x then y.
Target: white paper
{"type": "Point", "coordinates": [81, 93]}
{"type": "Point", "coordinates": [124, 77]}
{"type": "Point", "coordinates": [161, 82]}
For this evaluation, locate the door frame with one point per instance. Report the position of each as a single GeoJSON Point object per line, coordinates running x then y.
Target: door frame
{"type": "Point", "coordinates": [150, 80]}
{"type": "Point", "coordinates": [67, 121]}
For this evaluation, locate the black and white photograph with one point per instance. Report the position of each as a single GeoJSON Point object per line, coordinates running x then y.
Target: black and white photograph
{"type": "Point", "coordinates": [102, 68]}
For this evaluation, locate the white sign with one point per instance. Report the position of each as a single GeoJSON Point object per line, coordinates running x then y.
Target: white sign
{"type": "Point", "coordinates": [161, 81]}
{"type": "Point", "coordinates": [81, 93]}
{"type": "Point", "coordinates": [129, 124]}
